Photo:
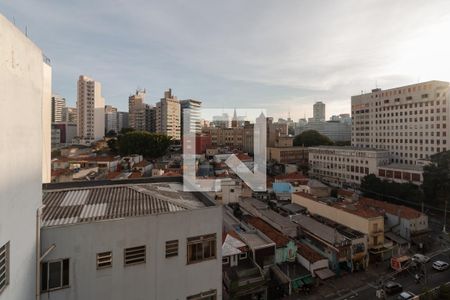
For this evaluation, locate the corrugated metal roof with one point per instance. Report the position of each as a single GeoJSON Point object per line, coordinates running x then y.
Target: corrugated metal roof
{"type": "Point", "coordinates": [87, 204]}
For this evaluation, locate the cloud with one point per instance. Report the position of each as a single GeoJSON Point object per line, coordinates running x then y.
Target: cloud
{"type": "Point", "coordinates": [281, 55]}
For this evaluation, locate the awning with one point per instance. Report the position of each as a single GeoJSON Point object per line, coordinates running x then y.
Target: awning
{"type": "Point", "coordinates": [308, 280]}
{"type": "Point", "coordinates": [396, 238]}
{"type": "Point", "coordinates": [324, 273]}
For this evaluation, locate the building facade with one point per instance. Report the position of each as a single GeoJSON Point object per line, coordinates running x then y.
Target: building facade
{"type": "Point", "coordinates": [69, 114]}
{"type": "Point", "coordinates": [91, 110]}
{"type": "Point", "coordinates": [319, 111]}
{"type": "Point", "coordinates": [122, 120]}
{"type": "Point", "coordinates": [110, 118]}
{"type": "Point", "coordinates": [168, 116]}
{"type": "Point", "coordinates": [58, 105]}
{"type": "Point", "coordinates": [190, 116]}
{"type": "Point", "coordinates": [411, 122]}
{"type": "Point", "coordinates": [345, 165]}
{"type": "Point", "coordinates": [131, 244]}
{"type": "Point", "coordinates": [137, 110]}
{"type": "Point", "coordinates": [25, 157]}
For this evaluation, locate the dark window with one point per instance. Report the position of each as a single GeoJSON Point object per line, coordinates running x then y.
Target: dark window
{"type": "Point", "coordinates": [55, 275]}
{"type": "Point", "coordinates": [201, 248]}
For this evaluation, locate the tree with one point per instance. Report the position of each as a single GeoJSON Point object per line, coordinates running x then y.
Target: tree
{"type": "Point", "coordinates": [126, 130]}
{"type": "Point", "coordinates": [111, 133]}
{"type": "Point", "coordinates": [151, 145]}
{"type": "Point", "coordinates": [436, 178]}
{"type": "Point", "coordinates": [310, 138]}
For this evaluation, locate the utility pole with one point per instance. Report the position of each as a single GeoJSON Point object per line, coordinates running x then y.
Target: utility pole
{"type": "Point", "coordinates": [444, 230]}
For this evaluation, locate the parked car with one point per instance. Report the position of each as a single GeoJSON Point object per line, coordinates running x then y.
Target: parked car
{"type": "Point", "coordinates": [420, 258]}
{"type": "Point", "coordinates": [406, 296]}
{"type": "Point", "coordinates": [440, 265]}
{"type": "Point", "coordinates": [392, 287]}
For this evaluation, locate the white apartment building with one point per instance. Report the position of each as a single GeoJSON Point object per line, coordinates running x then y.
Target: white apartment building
{"type": "Point", "coordinates": [411, 122]}
{"type": "Point", "coordinates": [168, 116]}
{"type": "Point", "coordinates": [91, 110]}
{"type": "Point", "coordinates": [58, 105]}
{"type": "Point", "coordinates": [345, 165]}
{"type": "Point", "coordinates": [191, 109]}
{"type": "Point", "coordinates": [25, 85]}
{"type": "Point", "coordinates": [130, 239]}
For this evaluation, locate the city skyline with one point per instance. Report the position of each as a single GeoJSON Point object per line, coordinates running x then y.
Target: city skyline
{"type": "Point", "coordinates": [282, 68]}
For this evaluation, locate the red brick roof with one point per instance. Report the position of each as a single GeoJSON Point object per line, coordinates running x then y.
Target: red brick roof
{"type": "Point", "coordinates": [142, 163]}
{"type": "Point", "coordinates": [135, 175]}
{"type": "Point", "coordinates": [277, 237]}
{"type": "Point", "coordinates": [393, 209]}
{"type": "Point", "coordinates": [307, 252]}
{"type": "Point", "coordinates": [295, 176]}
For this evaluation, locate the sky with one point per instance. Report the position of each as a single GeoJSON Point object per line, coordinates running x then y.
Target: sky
{"type": "Point", "coordinates": [281, 56]}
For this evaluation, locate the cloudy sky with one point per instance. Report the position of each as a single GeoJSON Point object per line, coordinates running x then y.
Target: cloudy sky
{"type": "Point", "coordinates": [278, 55]}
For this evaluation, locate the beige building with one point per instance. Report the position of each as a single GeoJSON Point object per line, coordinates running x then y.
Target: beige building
{"type": "Point", "coordinates": [287, 155]}
{"type": "Point", "coordinates": [91, 110]}
{"type": "Point", "coordinates": [168, 113]}
{"type": "Point", "coordinates": [69, 115]}
{"type": "Point", "coordinates": [350, 213]}
{"type": "Point", "coordinates": [58, 105]}
{"type": "Point", "coordinates": [137, 110]}
{"type": "Point", "coordinates": [411, 122]}
{"type": "Point", "coordinates": [345, 165]}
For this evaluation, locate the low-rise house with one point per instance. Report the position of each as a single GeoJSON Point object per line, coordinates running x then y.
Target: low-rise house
{"type": "Point", "coordinates": [314, 262]}
{"type": "Point", "coordinates": [242, 277]}
{"type": "Point", "coordinates": [293, 277]}
{"type": "Point", "coordinates": [353, 214]}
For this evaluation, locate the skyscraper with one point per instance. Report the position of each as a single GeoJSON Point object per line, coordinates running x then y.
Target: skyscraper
{"type": "Point", "coordinates": [58, 105]}
{"type": "Point", "coordinates": [137, 110]}
{"type": "Point", "coordinates": [168, 116]}
{"type": "Point", "coordinates": [110, 118]}
{"type": "Point", "coordinates": [319, 111]}
{"type": "Point", "coordinates": [192, 110]}
{"type": "Point", "coordinates": [122, 120]}
{"type": "Point", "coordinates": [91, 110]}
{"type": "Point", "coordinates": [69, 115]}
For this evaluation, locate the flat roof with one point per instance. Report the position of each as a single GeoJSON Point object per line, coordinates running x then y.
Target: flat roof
{"type": "Point", "coordinates": [327, 233]}
{"type": "Point", "coordinates": [403, 167]}
{"type": "Point", "coordinates": [83, 202]}
{"type": "Point", "coordinates": [353, 148]}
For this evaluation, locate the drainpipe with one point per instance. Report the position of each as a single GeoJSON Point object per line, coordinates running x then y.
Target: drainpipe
{"type": "Point", "coordinates": [39, 257]}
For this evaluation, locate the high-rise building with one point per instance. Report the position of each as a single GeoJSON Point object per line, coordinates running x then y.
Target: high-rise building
{"type": "Point", "coordinates": [319, 111]}
{"type": "Point", "coordinates": [91, 110]}
{"type": "Point", "coordinates": [168, 116]}
{"type": "Point", "coordinates": [192, 110]}
{"type": "Point", "coordinates": [122, 120]}
{"type": "Point", "coordinates": [58, 105]}
{"type": "Point", "coordinates": [137, 110]}
{"type": "Point", "coordinates": [222, 121]}
{"type": "Point", "coordinates": [150, 118]}
{"type": "Point", "coordinates": [25, 157]}
{"type": "Point", "coordinates": [412, 121]}
{"type": "Point", "coordinates": [110, 118]}
{"type": "Point", "coordinates": [69, 114]}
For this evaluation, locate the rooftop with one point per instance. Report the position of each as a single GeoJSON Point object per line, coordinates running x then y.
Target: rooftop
{"type": "Point", "coordinates": [82, 202]}
{"type": "Point", "coordinates": [307, 252]}
{"type": "Point", "coordinates": [322, 231]}
{"type": "Point", "coordinates": [277, 237]}
{"type": "Point", "coordinates": [403, 167]}
{"type": "Point", "coordinates": [350, 148]}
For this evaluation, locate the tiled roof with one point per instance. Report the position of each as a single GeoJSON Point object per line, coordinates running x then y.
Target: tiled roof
{"type": "Point", "coordinates": [307, 252]}
{"type": "Point", "coordinates": [277, 237]}
{"type": "Point", "coordinates": [88, 204]}
{"type": "Point", "coordinates": [295, 176]}
{"type": "Point", "coordinates": [393, 209]}
{"type": "Point", "coordinates": [142, 163]}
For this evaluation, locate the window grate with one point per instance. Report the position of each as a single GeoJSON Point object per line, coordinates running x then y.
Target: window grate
{"type": "Point", "coordinates": [104, 260]}
{"type": "Point", "coordinates": [134, 255]}
{"type": "Point", "coordinates": [171, 248]}
{"type": "Point", "coordinates": [4, 267]}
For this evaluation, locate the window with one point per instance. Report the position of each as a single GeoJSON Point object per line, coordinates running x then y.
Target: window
{"type": "Point", "coordinates": [4, 267]}
{"type": "Point", "coordinates": [201, 248]}
{"type": "Point", "coordinates": [210, 295]}
{"type": "Point", "coordinates": [55, 275]}
{"type": "Point", "coordinates": [171, 248]}
{"type": "Point", "coordinates": [243, 255]}
{"type": "Point", "coordinates": [104, 260]}
{"type": "Point", "coordinates": [134, 255]}
{"type": "Point", "coordinates": [225, 260]}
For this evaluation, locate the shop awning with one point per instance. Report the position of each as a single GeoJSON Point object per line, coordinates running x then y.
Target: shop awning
{"type": "Point", "coordinates": [324, 273]}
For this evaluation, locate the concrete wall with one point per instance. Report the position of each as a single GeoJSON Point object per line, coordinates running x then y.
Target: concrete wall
{"type": "Point", "coordinates": [158, 278]}
{"type": "Point", "coordinates": [21, 86]}
{"type": "Point", "coordinates": [46, 123]}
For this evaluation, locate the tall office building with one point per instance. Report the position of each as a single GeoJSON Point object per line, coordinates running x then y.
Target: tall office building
{"type": "Point", "coordinates": [191, 109]}
{"type": "Point", "coordinates": [137, 110]}
{"type": "Point", "coordinates": [110, 118]}
{"type": "Point", "coordinates": [412, 121]}
{"type": "Point", "coordinates": [58, 105]}
{"type": "Point", "coordinates": [91, 110]}
{"type": "Point", "coordinates": [69, 115]}
{"type": "Point", "coordinates": [168, 116]}
{"type": "Point", "coordinates": [319, 111]}
{"type": "Point", "coordinates": [150, 118]}
{"type": "Point", "coordinates": [122, 120]}
{"type": "Point", "coordinates": [25, 157]}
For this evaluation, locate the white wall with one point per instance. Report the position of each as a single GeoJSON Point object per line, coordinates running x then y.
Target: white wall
{"type": "Point", "coordinates": [158, 278]}
{"type": "Point", "coordinates": [21, 86]}
{"type": "Point", "coordinates": [46, 123]}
